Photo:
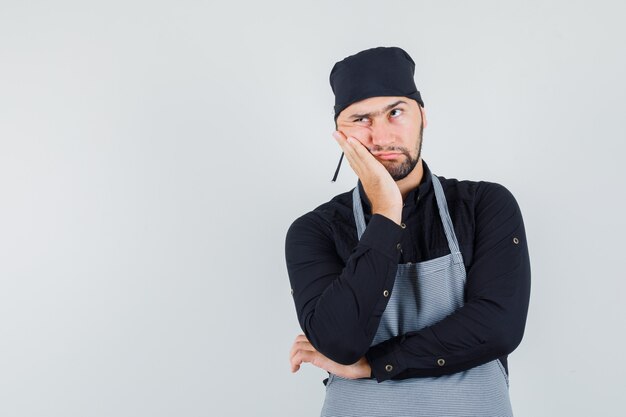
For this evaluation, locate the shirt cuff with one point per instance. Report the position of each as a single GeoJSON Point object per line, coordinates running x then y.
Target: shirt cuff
{"type": "Point", "coordinates": [383, 362]}
{"type": "Point", "coordinates": [383, 235]}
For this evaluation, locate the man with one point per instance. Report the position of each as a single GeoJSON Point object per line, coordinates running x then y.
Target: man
{"type": "Point", "coordinates": [411, 289]}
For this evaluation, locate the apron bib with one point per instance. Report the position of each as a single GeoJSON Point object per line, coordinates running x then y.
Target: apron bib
{"type": "Point", "coordinates": [423, 294]}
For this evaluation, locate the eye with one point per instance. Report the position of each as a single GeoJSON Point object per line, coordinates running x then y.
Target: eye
{"type": "Point", "coordinates": [395, 112]}
{"type": "Point", "coordinates": [361, 120]}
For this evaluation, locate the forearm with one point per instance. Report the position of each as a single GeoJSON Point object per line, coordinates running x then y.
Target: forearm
{"type": "Point", "coordinates": [339, 305]}
{"type": "Point", "coordinates": [491, 322]}
{"type": "Point", "coordinates": [480, 331]}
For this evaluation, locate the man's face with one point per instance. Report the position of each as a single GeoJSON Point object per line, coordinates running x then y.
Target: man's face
{"type": "Point", "coordinates": [390, 127]}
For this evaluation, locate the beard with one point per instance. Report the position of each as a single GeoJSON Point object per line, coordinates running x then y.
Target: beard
{"type": "Point", "coordinates": [400, 170]}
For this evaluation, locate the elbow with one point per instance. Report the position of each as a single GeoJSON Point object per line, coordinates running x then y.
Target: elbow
{"type": "Point", "coordinates": [344, 354]}
{"type": "Point", "coordinates": [506, 328]}
{"type": "Point", "coordinates": [342, 350]}
{"type": "Point", "coordinates": [343, 344]}
{"type": "Point", "coordinates": [505, 341]}
{"type": "Point", "coordinates": [504, 347]}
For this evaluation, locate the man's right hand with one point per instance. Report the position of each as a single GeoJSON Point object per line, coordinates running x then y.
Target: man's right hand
{"type": "Point", "coordinates": [380, 187]}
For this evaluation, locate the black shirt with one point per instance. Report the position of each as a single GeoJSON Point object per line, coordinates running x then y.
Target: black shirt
{"type": "Point", "coordinates": [338, 281]}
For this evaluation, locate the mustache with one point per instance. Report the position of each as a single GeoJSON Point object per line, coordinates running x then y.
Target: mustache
{"type": "Point", "coordinates": [379, 149]}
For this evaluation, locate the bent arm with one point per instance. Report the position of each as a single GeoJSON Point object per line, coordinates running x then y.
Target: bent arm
{"type": "Point", "coordinates": [339, 305]}
{"type": "Point", "coordinates": [491, 322]}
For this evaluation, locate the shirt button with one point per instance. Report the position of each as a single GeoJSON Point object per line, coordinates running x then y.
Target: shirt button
{"type": "Point", "coordinates": [292, 291]}
{"type": "Point", "coordinates": [399, 246]}
{"type": "Point", "coordinates": [388, 368]}
{"type": "Point", "coordinates": [515, 240]}
{"type": "Point", "coordinates": [441, 362]}
{"type": "Point", "coordinates": [386, 293]}
{"type": "Point", "coordinates": [402, 225]}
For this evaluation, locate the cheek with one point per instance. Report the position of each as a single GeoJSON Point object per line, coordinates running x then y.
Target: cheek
{"type": "Point", "coordinates": [409, 131]}
{"type": "Point", "coordinates": [360, 133]}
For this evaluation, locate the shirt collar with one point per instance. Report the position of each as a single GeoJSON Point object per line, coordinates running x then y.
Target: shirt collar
{"type": "Point", "coordinates": [411, 198]}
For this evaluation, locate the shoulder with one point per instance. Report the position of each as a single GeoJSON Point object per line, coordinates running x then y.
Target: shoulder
{"type": "Point", "coordinates": [481, 194]}
{"type": "Point", "coordinates": [495, 198]}
{"type": "Point", "coordinates": [324, 219]}
{"type": "Point", "coordinates": [485, 207]}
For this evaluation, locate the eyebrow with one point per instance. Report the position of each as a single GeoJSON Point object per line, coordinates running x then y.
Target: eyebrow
{"type": "Point", "coordinates": [387, 108]}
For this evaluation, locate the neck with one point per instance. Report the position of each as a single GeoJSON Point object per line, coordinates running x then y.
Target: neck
{"type": "Point", "coordinates": [412, 180]}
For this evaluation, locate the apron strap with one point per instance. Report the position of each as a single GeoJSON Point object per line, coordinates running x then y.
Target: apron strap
{"type": "Point", "coordinates": [357, 208]}
{"type": "Point", "coordinates": [448, 227]}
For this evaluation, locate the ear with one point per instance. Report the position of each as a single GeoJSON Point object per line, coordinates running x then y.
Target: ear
{"type": "Point", "coordinates": [423, 115]}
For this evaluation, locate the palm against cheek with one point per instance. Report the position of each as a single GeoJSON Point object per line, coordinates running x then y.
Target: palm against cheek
{"type": "Point", "coordinates": [379, 185]}
{"type": "Point", "coordinates": [372, 170]}
{"type": "Point", "coordinates": [375, 168]}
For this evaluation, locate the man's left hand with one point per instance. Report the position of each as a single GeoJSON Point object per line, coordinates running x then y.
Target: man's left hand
{"type": "Point", "coordinates": [303, 351]}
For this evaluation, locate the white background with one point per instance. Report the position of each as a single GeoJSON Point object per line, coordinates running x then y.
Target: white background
{"type": "Point", "coordinates": [153, 155]}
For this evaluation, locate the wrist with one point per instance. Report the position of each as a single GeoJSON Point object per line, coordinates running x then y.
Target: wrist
{"type": "Point", "coordinates": [393, 213]}
{"type": "Point", "coordinates": [362, 369]}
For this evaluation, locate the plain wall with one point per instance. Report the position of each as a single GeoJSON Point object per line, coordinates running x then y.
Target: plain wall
{"type": "Point", "coordinates": [153, 155]}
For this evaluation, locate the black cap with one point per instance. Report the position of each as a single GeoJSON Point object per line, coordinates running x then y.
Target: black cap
{"type": "Point", "coordinates": [382, 71]}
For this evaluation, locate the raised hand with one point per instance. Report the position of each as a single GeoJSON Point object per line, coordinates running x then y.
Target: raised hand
{"type": "Point", "coordinates": [380, 187]}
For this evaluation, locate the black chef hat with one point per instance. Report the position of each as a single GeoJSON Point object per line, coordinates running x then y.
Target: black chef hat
{"type": "Point", "coordinates": [374, 72]}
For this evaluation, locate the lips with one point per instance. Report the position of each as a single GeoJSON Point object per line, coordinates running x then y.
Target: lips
{"type": "Point", "coordinates": [387, 155]}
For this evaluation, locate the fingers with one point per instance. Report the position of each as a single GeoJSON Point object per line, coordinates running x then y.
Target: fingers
{"type": "Point", "coordinates": [360, 149]}
{"type": "Point", "coordinates": [300, 343]}
{"type": "Point", "coordinates": [301, 351]}
{"type": "Point", "coordinates": [302, 356]}
{"type": "Point", "coordinates": [351, 148]}
{"type": "Point", "coordinates": [358, 154]}
{"type": "Point", "coordinates": [342, 140]}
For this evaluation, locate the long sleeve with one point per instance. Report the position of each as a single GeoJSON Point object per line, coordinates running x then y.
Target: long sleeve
{"type": "Point", "coordinates": [339, 305]}
{"type": "Point", "coordinates": [491, 322]}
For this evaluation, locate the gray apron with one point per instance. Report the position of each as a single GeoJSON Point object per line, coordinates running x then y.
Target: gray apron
{"type": "Point", "coordinates": [423, 294]}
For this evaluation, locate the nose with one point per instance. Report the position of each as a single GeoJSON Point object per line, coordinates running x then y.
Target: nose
{"type": "Point", "coordinates": [381, 134]}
